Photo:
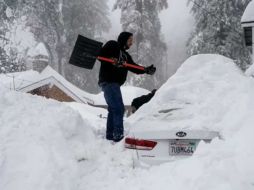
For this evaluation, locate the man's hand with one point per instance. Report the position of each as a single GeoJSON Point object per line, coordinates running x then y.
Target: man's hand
{"type": "Point", "coordinates": [150, 70]}
{"type": "Point", "coordinates": [116, 62]}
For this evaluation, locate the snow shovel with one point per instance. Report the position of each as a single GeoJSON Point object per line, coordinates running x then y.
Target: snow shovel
{"type": "Point", "coordinates": [86, 52]}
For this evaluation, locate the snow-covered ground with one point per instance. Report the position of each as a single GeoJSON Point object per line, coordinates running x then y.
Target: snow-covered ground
{"type": "Point", "coordinates": [45, 144]}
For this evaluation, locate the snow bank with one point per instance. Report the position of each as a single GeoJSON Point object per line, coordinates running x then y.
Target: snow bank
{"type": "Point", "coordinates": [218, 96]}
{"type": "Point", "coordinates": [250, 71]}
{"type": "Point", "coordinates": [41, 142]}
{"type": "Point", "coordinates": [96, 117]}
{"type": "Point", "coordinates": [46, 145]}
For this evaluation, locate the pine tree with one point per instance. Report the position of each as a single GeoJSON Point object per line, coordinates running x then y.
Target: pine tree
{"type": "Point", "coordinates": [141, 18]}
{"type": "Point", "coordinates": [218, 29]}
{"type": "Point", "coordinates": [11, 57]}
{"type": "Point", "coordinates": [89, 18]}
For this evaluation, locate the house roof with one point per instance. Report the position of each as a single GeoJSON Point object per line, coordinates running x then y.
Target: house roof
{"type": "Point", "coordinates": [53, 81]}
{"type": "Point", "coordinates": [86, 97]}
{"type": "Point", "coordinates": [248, 15]}
{"type": "Point", "coordinates": [19, 79]}
{"type": "Point", "coordinates": [50, 76]}
{"type": "Point", "coordinates": [30, 80]}
{"type": "Point", "coordinates": [40, 49]}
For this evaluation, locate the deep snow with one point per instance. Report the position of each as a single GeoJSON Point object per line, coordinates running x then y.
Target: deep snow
{"type": "Point", "coordinates": [45, 144]}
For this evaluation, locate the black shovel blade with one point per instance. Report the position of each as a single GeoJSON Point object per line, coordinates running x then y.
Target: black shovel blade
{"type": "Point", "coordinates": [85, 52]}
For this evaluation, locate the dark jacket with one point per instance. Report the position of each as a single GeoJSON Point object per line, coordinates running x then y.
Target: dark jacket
{"type": "Point", "coordinates": [115, 49]}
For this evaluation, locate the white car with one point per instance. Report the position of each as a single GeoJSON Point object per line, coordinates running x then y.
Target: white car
{"type": "Point", "coordinates": [157, 141]}
{"type": "Point", "coordinates": [190, 107]}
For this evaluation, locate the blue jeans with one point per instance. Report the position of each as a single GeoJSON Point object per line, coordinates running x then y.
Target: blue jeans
{"type": "Point", "coordinates": [113, 97]}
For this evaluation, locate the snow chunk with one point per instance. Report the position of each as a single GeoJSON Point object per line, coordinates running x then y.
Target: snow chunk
{"type": "Point", "coordinates": [8, 12]}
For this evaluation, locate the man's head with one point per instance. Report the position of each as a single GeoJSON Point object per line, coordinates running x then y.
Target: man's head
{"type": "Point", "coordinates": [125, 39]}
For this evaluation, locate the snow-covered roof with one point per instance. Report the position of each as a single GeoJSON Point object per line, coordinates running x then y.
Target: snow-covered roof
{"type": "Point", "coordinates": [28, 80]}
{"type": "Point", "coordinates": [19, 79]}
{"type": "Point", "coordinates": [49, 72]}
{"type": "Point", "coordinates": [248, 15]}
{"type": "Point", "coordinates": [40, 49]}
{"type": "Point", "coordinates": [53, 81]}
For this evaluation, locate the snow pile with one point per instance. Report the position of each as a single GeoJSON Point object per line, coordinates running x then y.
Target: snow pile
{"type": "Point", "coordinates": [46, 145]}
{"type": "Point", "coordinates": [217, 96]}
{"type": "Point", "coordinates": [206, 91]}
{"type": "Point", "coordinates": [41, 142]}
{"type": "Point", "coordinates": [96, 117]}
{"type": "Point", "coordinates": [250, 71]}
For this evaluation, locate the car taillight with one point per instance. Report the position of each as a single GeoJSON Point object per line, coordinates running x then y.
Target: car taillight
{"type": "Point", "coordinates": [139, 144]}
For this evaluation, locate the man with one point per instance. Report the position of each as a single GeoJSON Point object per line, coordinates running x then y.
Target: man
{"type": "Point", "coordinates": [112, 76]}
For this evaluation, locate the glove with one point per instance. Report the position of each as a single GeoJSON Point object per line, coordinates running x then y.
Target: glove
{"type": "Point", "coordinates": [150, 70]}
{"type": "Point", "coordinates": [153, 91]}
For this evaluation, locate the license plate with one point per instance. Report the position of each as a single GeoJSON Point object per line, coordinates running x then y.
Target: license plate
{"type": "Point", "coordinates": [183, 147]}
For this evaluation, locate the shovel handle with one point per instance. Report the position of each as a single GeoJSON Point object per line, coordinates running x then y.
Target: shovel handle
{"type": "Point", "coordinates": [124, 65]}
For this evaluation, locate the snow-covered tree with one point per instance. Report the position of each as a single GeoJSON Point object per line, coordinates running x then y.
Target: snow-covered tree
{"type": "Point", "coordinates": [11, 55]}
{"type": "Point", "coordinates": [141, 18]}
{"type": "Point", "coordinates": [218, 29]}
{"type": "Point", "coordinates": [44, 20]}
{"type": "Point", "coordinates": [89, 18]}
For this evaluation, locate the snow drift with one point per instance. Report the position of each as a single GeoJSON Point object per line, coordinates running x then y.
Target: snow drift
{"type": "Point", "coordinates": [40, 143]}
{"type": "Point", "coordinates": [46, 145]}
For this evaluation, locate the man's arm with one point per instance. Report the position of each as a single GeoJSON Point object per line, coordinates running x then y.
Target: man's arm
{"type": "Point", "coordinates": [148, 70]}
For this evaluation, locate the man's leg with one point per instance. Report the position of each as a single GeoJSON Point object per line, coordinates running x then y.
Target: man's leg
{"type": "Point", "coordinates": [118, 112]}
{"type": "Point", "coordinates": [113, 97]}
{"type": "Point", "coordinates": [110, 126]}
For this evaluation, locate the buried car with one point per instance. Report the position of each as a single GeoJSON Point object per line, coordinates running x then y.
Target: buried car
{"type": "Point", "coordinates": [189, 108]}
{"type": "Point", "coordinates": [164, 142]}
